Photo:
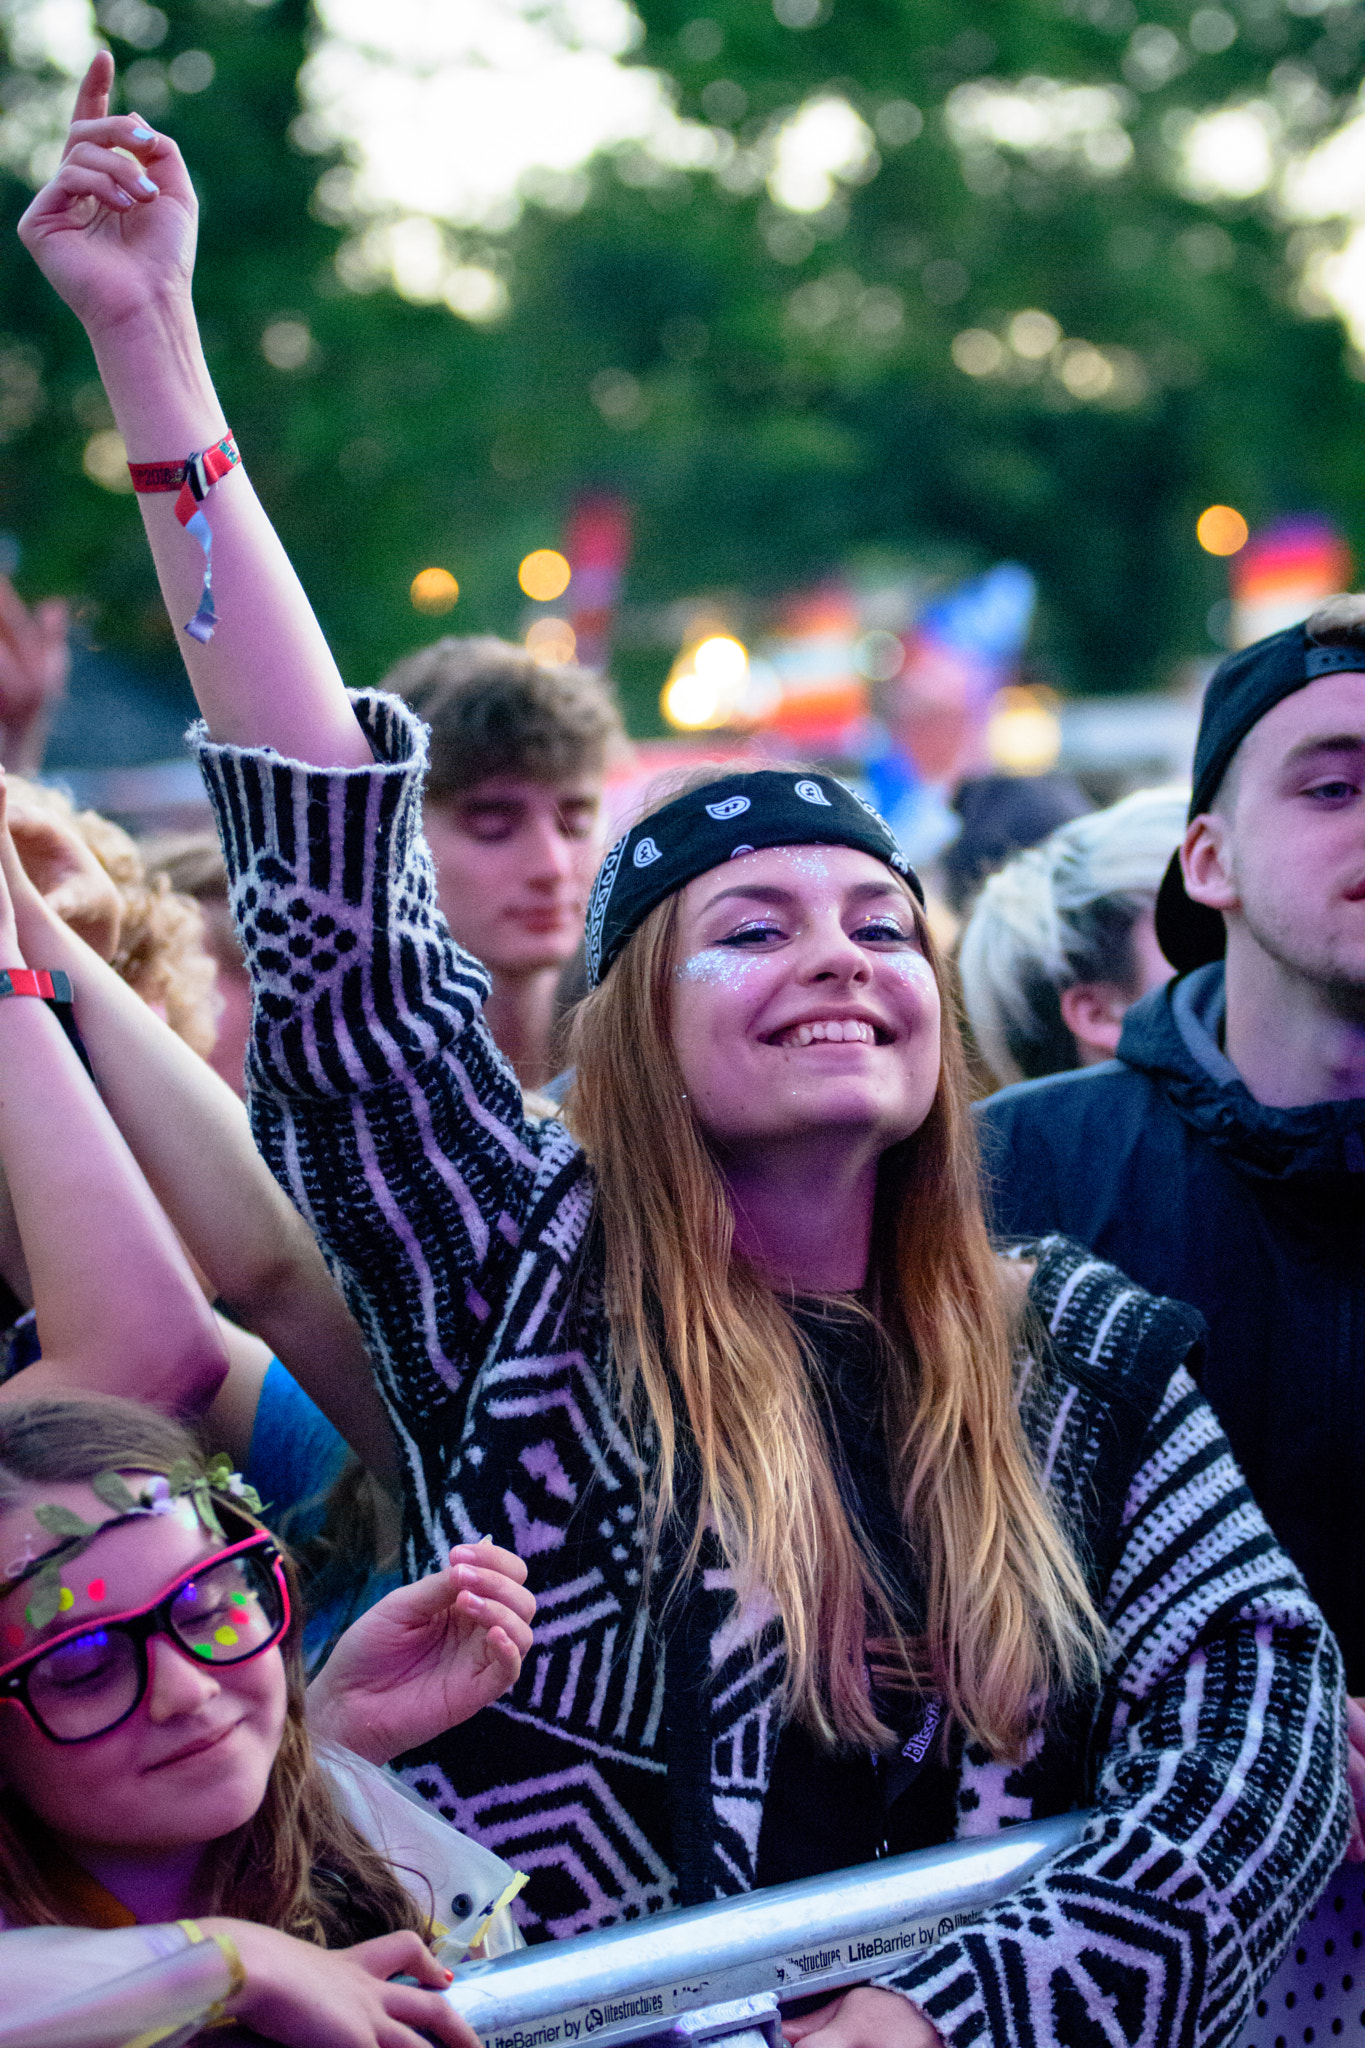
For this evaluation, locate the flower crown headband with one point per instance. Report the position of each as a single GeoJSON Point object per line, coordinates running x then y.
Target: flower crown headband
{"type": "Point", "coordinates": [186, 1480]}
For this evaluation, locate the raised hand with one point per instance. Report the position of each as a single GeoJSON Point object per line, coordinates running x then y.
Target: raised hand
{"type": "Point", "coordinates": [114, 233]}
{"type": "Point", "coordinates": [62, 873]}
{"type": "Point", "coordinates": [427, 1656]}
{"type": "Point", "coordinates": [114, 229]}
{"type": "Point", "coordinates": [35, 661]}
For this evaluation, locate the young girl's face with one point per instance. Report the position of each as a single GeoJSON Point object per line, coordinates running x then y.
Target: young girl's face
{"type": "Point", "coordinates": [193, 1759]}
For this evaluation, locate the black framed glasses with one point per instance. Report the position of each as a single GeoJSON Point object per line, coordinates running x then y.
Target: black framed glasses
{"type": "Point", "coordinates": [226, 1609]}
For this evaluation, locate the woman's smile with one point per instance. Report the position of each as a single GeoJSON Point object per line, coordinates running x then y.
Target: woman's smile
{"type": "Point", "coordinates": [832, 1031]}
{"type": "Point", "coordinates": [199, 1746]}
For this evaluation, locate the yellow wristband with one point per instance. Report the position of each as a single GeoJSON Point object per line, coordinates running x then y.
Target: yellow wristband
{"type": "Point", "coordinates": [227, 1948]}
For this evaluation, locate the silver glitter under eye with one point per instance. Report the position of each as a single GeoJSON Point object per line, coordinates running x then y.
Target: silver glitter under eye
{"type": "Point", "coordinates": [911, 967]}
{"type": "Point", "coordinates": [720, 966]}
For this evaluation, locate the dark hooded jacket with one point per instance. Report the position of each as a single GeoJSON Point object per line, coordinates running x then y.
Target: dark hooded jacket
{"type": "Point", "coordinates": [1164, 1164]}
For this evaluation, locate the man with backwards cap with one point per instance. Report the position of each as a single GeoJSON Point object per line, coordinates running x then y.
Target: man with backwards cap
{"type": "Point", "coordinates": [1221, 1157]}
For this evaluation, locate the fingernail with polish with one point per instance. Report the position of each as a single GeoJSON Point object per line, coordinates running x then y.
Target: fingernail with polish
{"type": "Point", "coordinates": [142, 134]}
{"type": "Point", "coordinates": [148, 185]}
{"type": "Point", "coordinates": [122, 198]}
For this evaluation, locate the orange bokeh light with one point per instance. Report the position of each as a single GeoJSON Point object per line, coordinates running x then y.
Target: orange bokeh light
{"type": "Point", "coordinates": [1221, 531]}
{"type": "Point", "coordinates": [552, 640]}
{"type": "Point", "coordinates": [434, 590]}
{"type": "Point", "coordinates": [544, 575]}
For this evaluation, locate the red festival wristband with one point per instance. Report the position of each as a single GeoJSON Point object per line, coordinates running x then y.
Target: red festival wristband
{"type": "Point", "coordinates": [193, 479]}
{"type": "Point", "coordinates": [34, 981]}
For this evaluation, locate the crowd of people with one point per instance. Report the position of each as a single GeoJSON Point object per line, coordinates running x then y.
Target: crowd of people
{"type": "Point", "coordinates": [609, 1422]}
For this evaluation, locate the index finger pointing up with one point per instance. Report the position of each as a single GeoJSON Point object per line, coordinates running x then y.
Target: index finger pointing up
{"type": "Point", "coordinates": [92, 96]}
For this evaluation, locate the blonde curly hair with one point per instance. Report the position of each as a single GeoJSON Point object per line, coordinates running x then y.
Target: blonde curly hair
{"type": "Point", "coordinates": [161, 952]}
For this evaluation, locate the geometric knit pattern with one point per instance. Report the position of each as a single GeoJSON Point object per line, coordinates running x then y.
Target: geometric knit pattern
{"type": "Point", "coordinates": [459, 1230]}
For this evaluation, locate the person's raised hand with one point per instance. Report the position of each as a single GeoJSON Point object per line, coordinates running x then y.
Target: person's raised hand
{"type": "Point", "coordinates": [35, 661]}
{"type": "Point", "coordinates": [426, 1656]}
{"type": "Point", "coordinates": [306, 1997]}
{"type": "Point", "coordinates": [113, 230]}
{"type": "Point", "coordinates": [51, 870]}
{"type": "Point", "coordinates": [864, 2018]}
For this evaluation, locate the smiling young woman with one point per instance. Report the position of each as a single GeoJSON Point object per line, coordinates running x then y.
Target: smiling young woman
{"type": "Point", "coordinates": [704, 1034]}
{"type": "Point", "coordinates": [838, 1548]}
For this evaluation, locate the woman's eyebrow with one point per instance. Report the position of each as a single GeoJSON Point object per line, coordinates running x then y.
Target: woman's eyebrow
{"type": "Point", "coordinates": [761, 892]}
{"type": "Point", "coordinates": [753, 892]}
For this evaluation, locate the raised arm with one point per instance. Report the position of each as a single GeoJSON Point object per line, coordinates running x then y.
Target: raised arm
{"type": "Point", "coordinates": [118, 1307]}
{"type": "Point", "coordinates": [115, 237]}
{"type": "Point", "coordinates": [190, 1136]}
{"type": "Point", "coordinates": [377, 1094]}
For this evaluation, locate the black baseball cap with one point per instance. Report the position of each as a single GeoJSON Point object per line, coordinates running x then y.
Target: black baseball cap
{"type": "Point", "coordinates": [1241, 690]}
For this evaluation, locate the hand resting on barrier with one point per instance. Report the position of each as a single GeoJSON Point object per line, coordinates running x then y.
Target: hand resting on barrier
{"type": "Point", "coordinates": [426, 1656]}
{"type": "Point", "coordinates": [340, 1998]}
{"type": "Point", "coordinates": [864, 2018]}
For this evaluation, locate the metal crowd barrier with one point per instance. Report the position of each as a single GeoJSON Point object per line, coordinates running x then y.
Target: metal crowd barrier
{"type": "Point", "coordinates": [708, 1978]}
{"type": "Point", "coordinates": [717, 1972]}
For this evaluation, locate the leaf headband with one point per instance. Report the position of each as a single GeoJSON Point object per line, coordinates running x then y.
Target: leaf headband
{"type": "Point", "coordinates": [186, 1480]}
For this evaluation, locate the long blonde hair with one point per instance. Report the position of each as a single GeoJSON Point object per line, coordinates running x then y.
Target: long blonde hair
{"type": "Point", "coordinates": [713, 1370]}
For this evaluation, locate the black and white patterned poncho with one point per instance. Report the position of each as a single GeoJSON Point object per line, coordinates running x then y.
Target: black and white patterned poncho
{"type": "Point", "coordinates": [1213, 1756]}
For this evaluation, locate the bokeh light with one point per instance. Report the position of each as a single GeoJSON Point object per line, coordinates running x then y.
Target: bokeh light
{"type": "Point", "coordinates": [287, 344]}
{"type": "Point", "coordinates": [1086, 372]}
{"type": "Point", "coordinates": [105, 461]}
{"type": "Point", "coordinates": [1023, 730]}
{"type": "Point", "coordinates": [879, 656]}
{"type": "Point", "coordinates": [978, 352]}
{"type": "Point", "coordinates": [1221, 531]}
{"type": "Point", "coordinates": [434, 591]}
{"type": "Point", "coordinates": [691, 702]}
{"type": "Point", "coordinates": [551, 640]}
{"type": "Point", "coordinates": [720, 660]}
{"type": "Point", "coordinates": [708, 686]}
{"type": "Point", "coordinates": [1034, 334]}
{"type": "Point", "coordinates": [544, 575]}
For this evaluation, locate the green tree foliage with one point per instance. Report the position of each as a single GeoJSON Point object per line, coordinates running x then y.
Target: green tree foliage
{"type": "Point", "coordinates": [825, 423]}
{"type": "Point", "coordinates": [776, 391]}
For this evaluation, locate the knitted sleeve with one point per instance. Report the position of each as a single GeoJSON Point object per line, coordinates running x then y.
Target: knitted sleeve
{"type": "Point", "coordinates": [377, 1094]}
{"type": "Point", "coordinates": [1221, 1806]}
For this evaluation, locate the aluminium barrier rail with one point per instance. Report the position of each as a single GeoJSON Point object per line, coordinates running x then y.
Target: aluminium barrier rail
{"type": "Point", "coordinates": [717, 1971]}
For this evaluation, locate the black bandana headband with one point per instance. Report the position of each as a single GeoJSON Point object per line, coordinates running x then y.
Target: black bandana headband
{"type": "Point", "coordinates": [706, 827]}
